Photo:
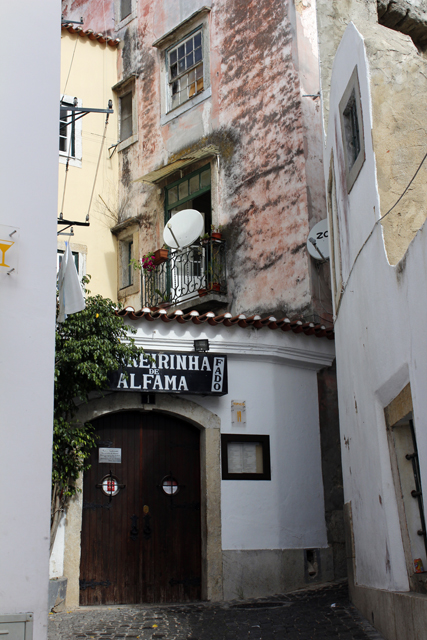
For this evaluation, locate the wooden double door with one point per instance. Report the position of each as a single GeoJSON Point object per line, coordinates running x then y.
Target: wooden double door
{"type": "Point", "coordinates": [141, 529]}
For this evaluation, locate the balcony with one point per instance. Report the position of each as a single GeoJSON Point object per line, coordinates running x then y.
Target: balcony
{"type": "Point", "coordinates": [191, 278]}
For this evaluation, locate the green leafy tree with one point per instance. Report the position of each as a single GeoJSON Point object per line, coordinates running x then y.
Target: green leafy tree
{"type": "Point", "coordinates": [89, 345]}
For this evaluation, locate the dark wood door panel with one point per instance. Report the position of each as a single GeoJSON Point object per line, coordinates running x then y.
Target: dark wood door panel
{"type": "Point", "coordinates": [144, 545]}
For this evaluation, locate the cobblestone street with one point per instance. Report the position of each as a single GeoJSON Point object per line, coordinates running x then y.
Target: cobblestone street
{"type": "Point", "coordinates": [319, 614]}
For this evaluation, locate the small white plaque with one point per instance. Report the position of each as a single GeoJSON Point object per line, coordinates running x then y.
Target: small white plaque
{"type": "Point", "coordinates": [238, 413]}
{"type": "Point", "coordinates": [110, 455]}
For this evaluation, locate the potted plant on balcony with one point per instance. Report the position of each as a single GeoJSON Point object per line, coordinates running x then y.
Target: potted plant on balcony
{"type": "Point", "coordinates": [216, 232]}
{"type": "Point", "coordinates": [215, 269]}
{"type": "Point", "coordinates": [166, 299]}
{"type": "Point", "coordinates": [146, 263]}
{"type": "Point", "coordinates": [161, 255]}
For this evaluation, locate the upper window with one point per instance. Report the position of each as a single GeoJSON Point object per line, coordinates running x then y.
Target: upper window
{"type": "Point", "coordinates": [352, 129]}
{"type": "Point", "coordinates": [70, 131]}
{"type": "Point", "coordinates": [126, 129]}
{"type": "Point", "coordinates": [185, 69]}
{"type": "Point", "coordinates": [125, 11]}
{"type": "Point", "coordinates": [125, 8]}
{"type": "Point", "coordinates": [184, 65]}
{"type": "Point", "coordinates": [67, 130]}
{"type": "Point", "coordinates": [128, 114]}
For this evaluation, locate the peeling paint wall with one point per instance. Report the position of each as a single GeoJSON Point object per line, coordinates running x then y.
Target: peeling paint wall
{"type": "Point", "coordinates": [97, 15]}
{"type": "Point", "coordinates": [263, 57]}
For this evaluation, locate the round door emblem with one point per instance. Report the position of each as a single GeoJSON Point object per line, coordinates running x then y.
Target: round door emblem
{"type": "Point", "coordinates": [170, 485]}
{"type": "Point", "coordinates": [110, 486]}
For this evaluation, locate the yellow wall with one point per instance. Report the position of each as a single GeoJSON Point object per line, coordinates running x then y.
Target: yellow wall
{"type": "Point", "coordinates": [88, 71]}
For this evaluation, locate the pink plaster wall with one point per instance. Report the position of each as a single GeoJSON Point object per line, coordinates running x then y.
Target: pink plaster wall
{"type": "Point", "coordinates": [97, 14]}
{"type": "Point", "coordinates": [270, 183]}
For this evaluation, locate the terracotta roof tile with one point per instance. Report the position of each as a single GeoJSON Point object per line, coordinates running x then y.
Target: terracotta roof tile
{"type": "Point", "coordinates": [89, 33]}
{"type": "Point", "coordinates": [226, 319]}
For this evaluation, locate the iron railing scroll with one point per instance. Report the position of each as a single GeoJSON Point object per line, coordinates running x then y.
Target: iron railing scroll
{"type": "Point", "coordinates": [187, 274]}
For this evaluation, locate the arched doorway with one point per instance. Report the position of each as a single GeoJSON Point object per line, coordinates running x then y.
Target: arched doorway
{"type": "Point", "coordinates": [142, 544]}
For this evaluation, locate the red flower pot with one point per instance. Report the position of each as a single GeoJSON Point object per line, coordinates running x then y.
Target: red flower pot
{"type": "Point", "coordinates": [215, 235]}
{"type": "Point", "coordinates": [161, 255]}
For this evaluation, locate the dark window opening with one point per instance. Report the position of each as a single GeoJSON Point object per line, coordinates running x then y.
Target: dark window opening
{"type": "Point", "coordinates": [191, 192]}
{"type": "Point", "coordinates": [67, 130]}
{"type": "Point", "coordinates": [125, 8]}
{"type": "Point", "coordinates": [352, 130]}
{"type": "Point", "coordinates": [126, 116]}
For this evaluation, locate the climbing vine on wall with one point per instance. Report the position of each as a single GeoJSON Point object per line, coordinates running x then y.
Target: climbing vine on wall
{"type": "Point", "coordinates": [89, 345]}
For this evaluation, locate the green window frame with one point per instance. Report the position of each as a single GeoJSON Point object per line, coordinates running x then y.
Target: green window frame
{"type": "Point", "coordinates": [187, 188]}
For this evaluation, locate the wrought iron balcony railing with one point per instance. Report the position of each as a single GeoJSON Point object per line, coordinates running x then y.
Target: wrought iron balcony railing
{"type": "Point", "coordinates": [187, 274]}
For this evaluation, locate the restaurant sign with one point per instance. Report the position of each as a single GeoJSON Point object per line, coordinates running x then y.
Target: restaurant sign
{"type": "Point", "coordinates": [171, 372]}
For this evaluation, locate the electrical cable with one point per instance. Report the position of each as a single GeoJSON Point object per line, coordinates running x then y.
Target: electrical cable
{"type": "Point", "coordinates": [69, 71]}
{"type": "Point", "coordinates": [97, 166]}
{"type": "Point", "coordinates": [344, 286]}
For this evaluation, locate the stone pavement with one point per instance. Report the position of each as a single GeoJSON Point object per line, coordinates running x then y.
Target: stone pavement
{"type": "Point", "coordinates": [322, 613]}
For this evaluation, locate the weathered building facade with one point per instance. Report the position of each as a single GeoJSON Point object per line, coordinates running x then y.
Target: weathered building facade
{"type": "Point", "coordinates": [219, 111]}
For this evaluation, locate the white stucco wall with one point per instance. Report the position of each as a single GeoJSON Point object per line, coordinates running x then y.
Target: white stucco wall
{"type": "Point", "coordinates": [380, 342]}
{"type": "Point", "coordinates": [275, 373]}
{"type": "Point", "coordinates": [29, 68]}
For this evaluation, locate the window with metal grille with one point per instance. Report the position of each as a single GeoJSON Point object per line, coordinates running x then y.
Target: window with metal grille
{"type": "Point", "coordinates": [185, 69]}
{"type": "Point", "coordinates": [126, 128]}
{"type": "Point", "coordinates": [67, 130]}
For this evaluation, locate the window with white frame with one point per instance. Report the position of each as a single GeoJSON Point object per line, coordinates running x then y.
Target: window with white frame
{"type": "Point", "coordinates": [70, 132]}
{"type": "Point", "coordinates": [79, 260]}
{"type": "Point", "coordinates": [67, 130]}
{"type": "Point", "coordinates": [185, 69]}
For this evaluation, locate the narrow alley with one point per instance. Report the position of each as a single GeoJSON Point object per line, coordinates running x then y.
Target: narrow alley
{"type": "Point", "coordinates": [323, 613]}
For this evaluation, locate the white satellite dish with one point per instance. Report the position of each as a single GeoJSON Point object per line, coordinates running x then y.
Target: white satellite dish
{"type": "Point", "coordinates": [318, 241]}
{"type": "Point", "coordinates": [183, 228]}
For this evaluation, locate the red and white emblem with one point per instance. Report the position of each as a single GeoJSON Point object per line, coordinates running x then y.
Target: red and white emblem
{"type": "Point", "coordinates": [110, 486]}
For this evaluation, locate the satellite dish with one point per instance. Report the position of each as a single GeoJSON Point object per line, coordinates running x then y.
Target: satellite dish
{"type": "Point", "coordinates": [183, 229]}
{"type": "Point", "coordinates": [318, 241]}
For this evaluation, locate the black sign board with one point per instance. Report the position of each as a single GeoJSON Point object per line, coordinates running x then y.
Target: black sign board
{"type": "Point", "coordinates": [171, 372]}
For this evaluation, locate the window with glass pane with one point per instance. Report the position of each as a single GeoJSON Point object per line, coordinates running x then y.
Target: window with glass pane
{"type": "Point", "coordinates": [125, 8]}
{"type": "Point", "coordinates": [191, 192]}
{"type": "Point", "coordinates": [126, 116]}
{"type": "Point", "coordinates": [67, 130]}
{"type": "Point", "coordinates": [185, 67]}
